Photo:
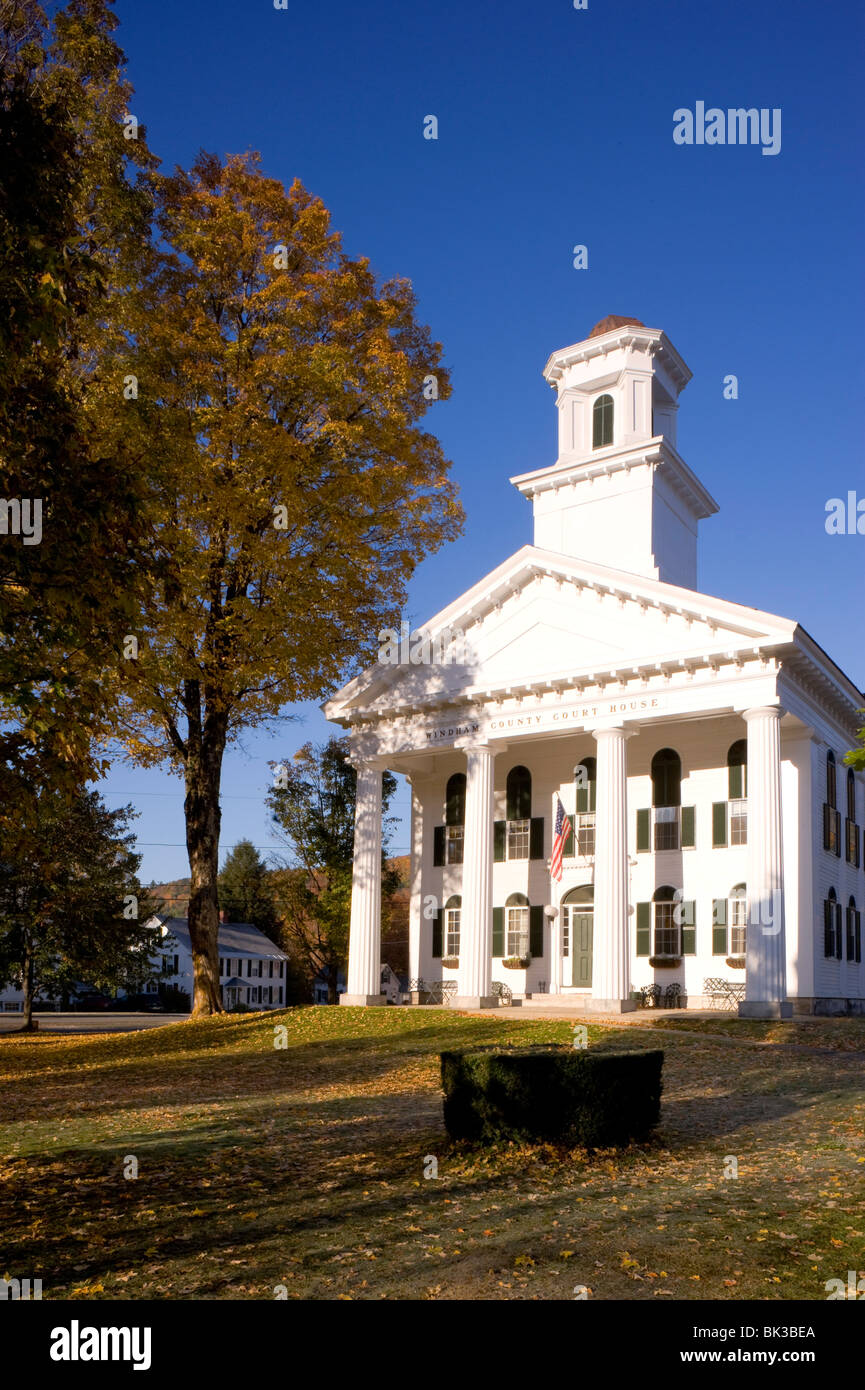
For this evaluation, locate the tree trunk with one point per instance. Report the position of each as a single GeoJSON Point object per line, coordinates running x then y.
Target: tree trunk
{"type": "Point", "coordinates": [28, 1026]}
{"type": "Point", "coordinates": [203, 818]}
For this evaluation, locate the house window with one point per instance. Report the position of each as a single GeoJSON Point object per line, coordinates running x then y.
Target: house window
{"type": "Point", "coordinates": [832, 926]}
{"type": "Point", "coordinates": [519, 812]}
{"type": "Point", "coordinates": [517, 925]}
{"type": "Point", "coordinates": [455, 818]}
{"type": "Point", "coordinates": [453, 911]}
{"type": "Point", "coordinates": [854, 933]}
{"type": "Point", "coordinates": [582, 841]}
{"type": "Point", "coordinates": [667, 935]}
{"type": "Point", "coordinates": [602, 422]}
{"type": "Point", "coordinates": [260, 969]}
{"type": "Point", "coordinates": [738, 918]}
{"type": "Point", "coordinates": [280, 994]}
{"type": "Point", "coordinates": [737, 770]}
{"type": "Point", "coordinates": [831, 815]}
{"type": "Point", "coordinates": [738, 822]}
{"type": "Point", "coordinates": [666, 798]}
{"type": "Point", "coordinates": [270, 970]}
{"type": "Point", "coordinates": [248, 968]}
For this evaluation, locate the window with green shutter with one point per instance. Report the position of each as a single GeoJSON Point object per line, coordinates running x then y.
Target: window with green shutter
{"type": "Point", "coordinates": [455, 800]}
{"type": "Point", "coordinates": [719, 824]}
{"type": "Point", "coordinates": [689, 827]}
{"type": "Point", "coordinates": [536, 932]}
{"type": "Point", "coordinates": [644, 830]}
{"type": "Point", "coordinates": [519, 794]}
{"type": "Point", "coordinates": [719, 926]}
{"type": "Point", "coordinates": [498, 932]}
{"type": "Point", "coordinates": [644, 929]}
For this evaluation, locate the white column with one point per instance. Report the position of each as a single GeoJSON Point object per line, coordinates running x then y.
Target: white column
{"type": "Point", "coordinates": [611, 953]}
{"type": "Point", "coordinates": [766, 954]}
{"type": "Point", "coordinates": [476, 919]}
{"type": "Point", "coordinates": [364, 941]}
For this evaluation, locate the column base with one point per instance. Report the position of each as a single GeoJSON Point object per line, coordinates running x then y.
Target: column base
{"type": "Point", "coordinates": [475, 1001]}
{"type": "Point", "coordinates": [609, 1006]}
{"type": "Point", "coordinates": [765, 1008]}
{"type": "Point", "coordinates": [362, 999]}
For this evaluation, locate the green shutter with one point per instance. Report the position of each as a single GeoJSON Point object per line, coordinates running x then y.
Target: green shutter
{"type": "Point", "coordinates": [719, 924]}
{"type": "Point", "coordinates": [689, 827]}
{"type": "Point", "coordinates": [736, 781]}
{"type": "Point", "coordinates": [583, 798]}
{"type": "Point", "coordinates": [536, 932]}
{"type": "Point", "coordinates": [438, 846]}
{"type": "Point", "coordinates": [826, 834]}
{"type": "Point", "coordinates": [644, 827]}
{"type": "Point", "coordinates": [536, 838]}
{"type": "Point", "coordinates": [644, 929]}
{"type": "Point", "coordinates": [719, 824]}
{"type": "Point", "coordinates": [437, 934]}
{"type": "Point", "coordinates": [499, 836]}
{"type": "Point", "coordinates": [569, 847]}
{"type": "Point", "coordinates": [498, 932]}
{"type": "Point", "coordinates": [689, 928]}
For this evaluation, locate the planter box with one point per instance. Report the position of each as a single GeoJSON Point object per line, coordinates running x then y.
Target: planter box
{"type": "Point", "coordinates": [554, 1094]}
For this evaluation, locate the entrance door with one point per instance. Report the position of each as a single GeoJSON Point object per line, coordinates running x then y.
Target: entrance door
{"type": "Point", "coordinates": [581, 947]}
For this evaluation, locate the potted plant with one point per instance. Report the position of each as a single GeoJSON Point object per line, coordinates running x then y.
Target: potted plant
{"type": "Point", "coordinates": [736, 962]}
{"type": "Point", "coordinates": [664, 962]}
{"type": "Point", "coordinates": [516, 962]}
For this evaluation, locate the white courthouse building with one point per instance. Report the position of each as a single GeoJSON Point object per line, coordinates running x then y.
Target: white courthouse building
{"type": "Point", "coordinates": [695, 744]}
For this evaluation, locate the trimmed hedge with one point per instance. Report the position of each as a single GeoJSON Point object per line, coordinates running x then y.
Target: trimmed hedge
{"type": "Point", "coordinates": [588, 1098]}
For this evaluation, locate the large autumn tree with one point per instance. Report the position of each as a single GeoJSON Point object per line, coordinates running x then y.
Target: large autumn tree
{"type": "Point", "coordinates": [74, 233]}
{"type": "Point", "coordinates": [281, 389]}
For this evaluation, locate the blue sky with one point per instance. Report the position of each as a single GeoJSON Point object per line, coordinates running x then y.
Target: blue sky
{"type": "Point", "coordinates": [555, 129]}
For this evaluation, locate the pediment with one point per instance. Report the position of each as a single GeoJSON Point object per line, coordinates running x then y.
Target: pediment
{"type": "Point", "coordinates": [543, 618]}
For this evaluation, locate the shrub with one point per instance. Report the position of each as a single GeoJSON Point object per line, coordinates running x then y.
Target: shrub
{"type": "Point", "coordinates": [554, 1094]}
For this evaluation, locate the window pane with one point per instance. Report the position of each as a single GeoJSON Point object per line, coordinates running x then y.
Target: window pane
{"type": "Point", "coordinates": [518, 931]}
{"type": "Point", "coordinates": [518, 839]}
{"type": "Point", "coordinates": [666, 930]}
{"type": "Point", "coordinates": [455, 840]}
{"type": "Point", "coordinates": [738, 822]}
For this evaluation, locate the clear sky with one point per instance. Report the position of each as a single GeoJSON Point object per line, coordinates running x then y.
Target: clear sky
{"type": "Point", "coordinates": [556, 129]}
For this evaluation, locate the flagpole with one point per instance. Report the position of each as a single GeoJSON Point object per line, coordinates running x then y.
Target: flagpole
{"type": "Point", "coordinates": [555, 924]}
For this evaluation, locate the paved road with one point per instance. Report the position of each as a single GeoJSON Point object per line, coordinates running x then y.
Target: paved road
{"type": "Point", "coordinates": [101, 1022]}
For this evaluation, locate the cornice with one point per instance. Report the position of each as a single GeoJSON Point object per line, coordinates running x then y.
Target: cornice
{"type": "Point", "coordinates": [654, 340]}
{"type": "Point", "coordinates": [655, 453]}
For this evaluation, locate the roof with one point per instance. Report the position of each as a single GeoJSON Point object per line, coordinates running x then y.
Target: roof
{"type": "Point", "coordinates": [612, 321]}
{"type": "Point", "coordinates": [234, 937]}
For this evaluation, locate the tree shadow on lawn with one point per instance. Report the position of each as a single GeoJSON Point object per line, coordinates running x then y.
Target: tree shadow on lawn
{"type": "Point", "coordinates": [133, 1082]}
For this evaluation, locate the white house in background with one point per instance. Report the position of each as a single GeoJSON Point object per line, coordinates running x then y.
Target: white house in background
{"type": "Point", "coordinates": [695, 744]}
{"type": "Point", "coordinates": [251, 967]}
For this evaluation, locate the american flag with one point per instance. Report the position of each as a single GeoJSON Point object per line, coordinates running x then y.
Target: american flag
{"type": "Point", "coordinates": [563, 830]}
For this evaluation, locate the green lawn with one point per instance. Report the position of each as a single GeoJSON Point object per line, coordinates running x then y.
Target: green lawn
{"type": "Point", "coordinates": [304, 1166]}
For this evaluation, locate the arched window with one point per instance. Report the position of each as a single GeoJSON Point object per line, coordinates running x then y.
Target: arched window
{"type": "Point", "coordinates": [455, 800]}
{"type": "Point", "coordinates": [667, 936]}
{"type": "Point", "coordinates": [455, 817]}
{"type": "Point", "coordinates": [602, 422]}
{"type": "Point", "coordinates": [586, 782]}
{"type": "Point", "coordinates": [851, 795]}
{"type": "Point", "coordinates": [453, 912]}
{"type": "Point", "coordinates": [854, 932]}
{"type": "Point", "coordinates": [737, 770]}
{"type": "Point", "coordinates": [666, 778]}
{"type": "Point", "coordinates": [737, 915]}
{"type": "Point", "coordinates": [581, 841]}
{"type": "Point", "coordinates": [517, 925]}
{"type": "Point", "coordinates": [519, 794]}
{"type": "Point", "coordinates": [832, 926]}
{"type": "Point", "coordinates": [519, 812]}
{"type": "Point", "coordinates": [831, 779]}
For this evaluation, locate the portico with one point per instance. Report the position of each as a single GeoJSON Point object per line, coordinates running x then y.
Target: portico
{"type": "Point", "coordinates": [685, 736]}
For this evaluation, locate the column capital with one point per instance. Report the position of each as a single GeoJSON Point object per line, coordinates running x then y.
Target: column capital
{"type": "Point", "coordinates": [774, 711]}
{"type": "Point", "coordinates": [615, 730]}
{"type": "Point", "coordinates": [372, 762]}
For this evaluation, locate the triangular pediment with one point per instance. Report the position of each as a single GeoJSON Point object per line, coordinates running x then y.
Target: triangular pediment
{"type": "Point", "coordinates": [544, 619]}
